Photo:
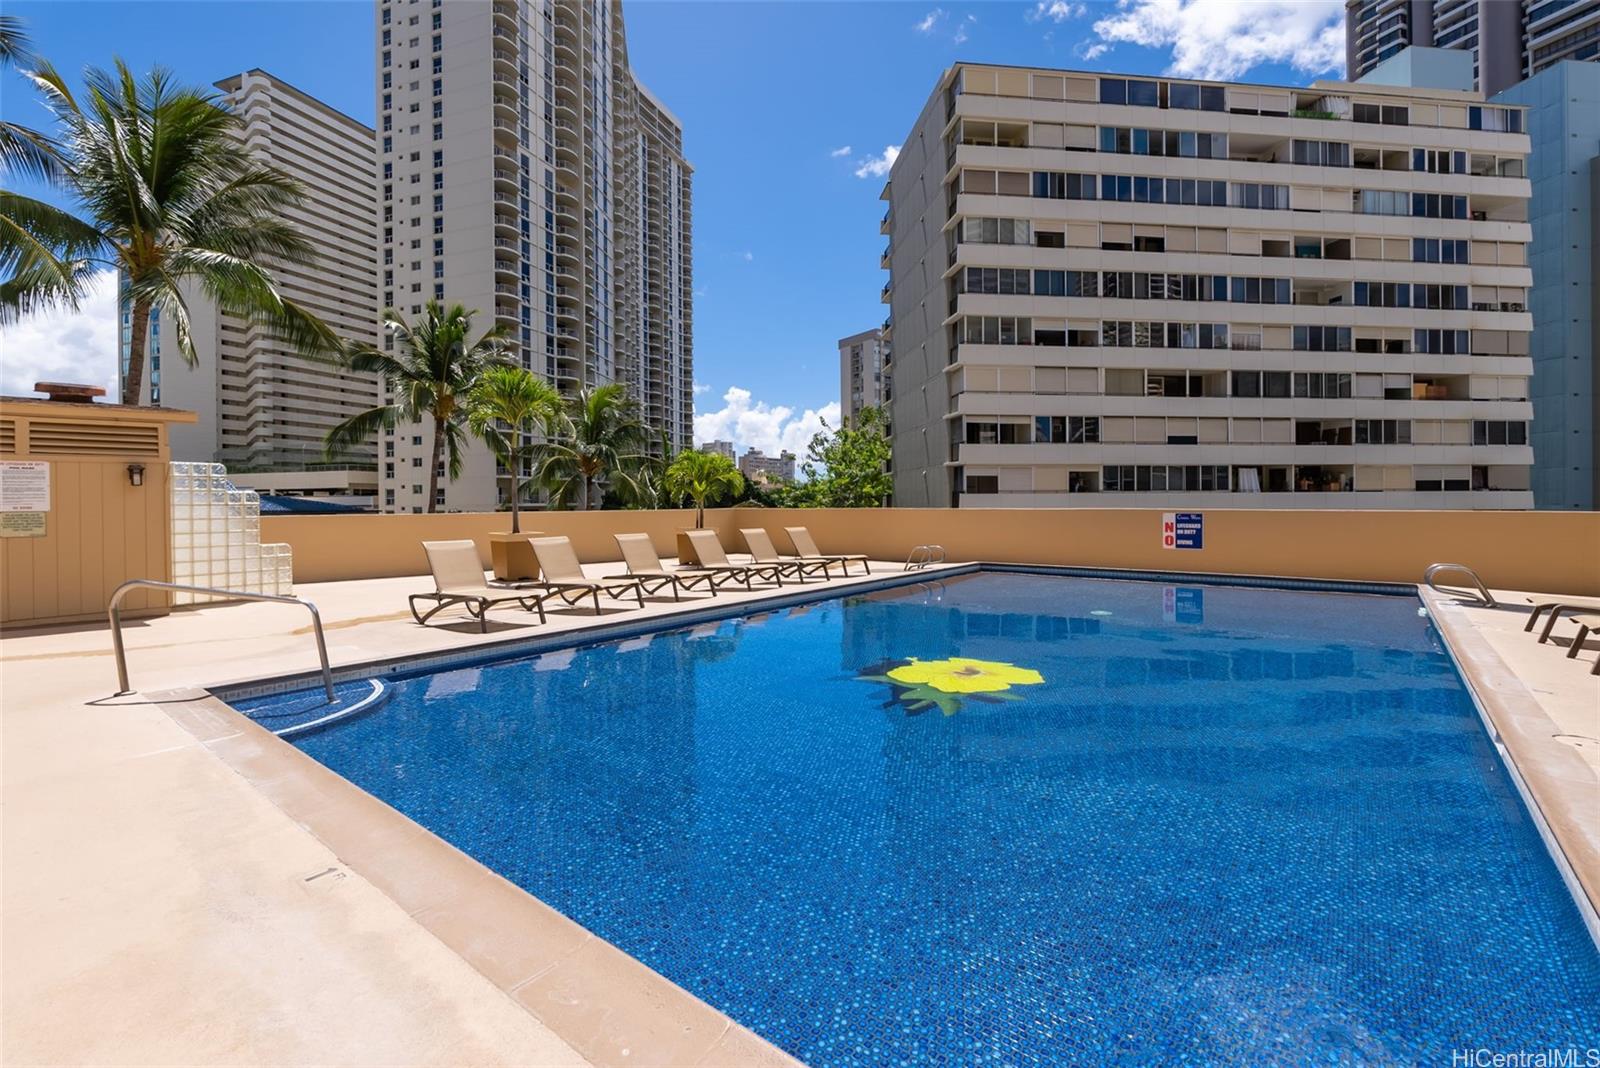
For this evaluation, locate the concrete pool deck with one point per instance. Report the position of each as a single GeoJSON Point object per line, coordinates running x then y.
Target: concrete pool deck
{"type": "Point", "coordinates": [183, 889]}
{"type": "Point", "coordinates": [162, 907]}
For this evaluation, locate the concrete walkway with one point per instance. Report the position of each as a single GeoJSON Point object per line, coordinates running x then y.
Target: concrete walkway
{"type": "Point", "coordinates": [158, 909]}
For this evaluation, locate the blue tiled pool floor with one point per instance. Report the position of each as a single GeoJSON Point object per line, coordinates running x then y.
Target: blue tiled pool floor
{"type": "Point", "coordinates": [1201, 824]}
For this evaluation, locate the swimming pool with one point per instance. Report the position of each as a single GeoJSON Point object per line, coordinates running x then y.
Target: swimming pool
{"type": "Point", "coordinates": [1019, 819]}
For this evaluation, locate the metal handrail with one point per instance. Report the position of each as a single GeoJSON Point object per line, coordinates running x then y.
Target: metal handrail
{"type": "Point", "coordinates": [1482, 593]}
{"type": "Point", "coordinates": [114, 616]}
{"type": "Point", "coordinates": [921, 556]}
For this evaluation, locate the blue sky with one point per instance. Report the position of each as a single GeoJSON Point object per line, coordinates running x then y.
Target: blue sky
{"type": "Point", "coordinates": [770, 94]}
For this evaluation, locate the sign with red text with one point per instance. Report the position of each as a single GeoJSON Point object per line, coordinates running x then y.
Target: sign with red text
{"type": "Point", "coordinates": [1183, 530]}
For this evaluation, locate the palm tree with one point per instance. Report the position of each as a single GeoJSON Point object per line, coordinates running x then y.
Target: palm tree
{"type": "Point", "coordinates": [430, 377]}
{"type": "Point", "coordinates": [167, 194]}
{"type": "Point", "coordinates": [702, 477]}
{"type": "Point", "coordinates": [503, 409]}
{"type": "Point", "coordinates": [22, 149]}
{"type": "Point", "coordinates": [595, 437]}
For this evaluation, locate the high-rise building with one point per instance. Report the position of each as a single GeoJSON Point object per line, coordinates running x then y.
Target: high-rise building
{"type": "Point", "coordinates": [1110, 290]}
{"type": "Point", "coordinates": [1509, 39]}
{"type": "Point", "coordinates": [527, 175]}
{"type": "Point", "coordinates": [264, 410]}
{"type": "Point", "coordinates": [759, 467]}
{"type": "Point", "coordinates": [718, 448]}
{"type": "Point", "coordinates": [860, 372]}
{"type": "Point", "coordinates": [1563, 104]}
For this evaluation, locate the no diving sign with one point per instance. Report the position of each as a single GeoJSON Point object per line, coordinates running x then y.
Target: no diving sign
{"type": "Point", "coordinates": [1183, 530]}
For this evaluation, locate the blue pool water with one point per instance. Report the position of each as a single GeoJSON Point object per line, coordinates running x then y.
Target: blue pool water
{"type": "Point", "coordinates": [1228, 824]}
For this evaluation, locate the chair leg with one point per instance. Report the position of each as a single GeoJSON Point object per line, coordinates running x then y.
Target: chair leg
{"type": "Point", "coordinates": [483, 616]}
{"type": "Point", "coordinates": [1550, 623]}
{"type": "Point", "coordinates": [677, 595]}
{"type": "Point", "coordinates": [1577, 643]}
{"type": "Point", "coordinates": [596, 595]}
{"type": "Point", "coordinates": [1533, 616]}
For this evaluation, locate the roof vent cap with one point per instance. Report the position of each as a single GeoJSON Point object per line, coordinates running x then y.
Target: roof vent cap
{"type": "Point", "coordinates": [69, 392]}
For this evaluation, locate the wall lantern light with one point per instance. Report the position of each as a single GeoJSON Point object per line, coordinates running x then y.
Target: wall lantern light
{"type": "Point", "coordinates": [136, 474]}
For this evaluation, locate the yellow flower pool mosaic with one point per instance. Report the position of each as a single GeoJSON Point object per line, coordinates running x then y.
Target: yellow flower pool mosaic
{"type": "Point", "coordinates": [918, 685]}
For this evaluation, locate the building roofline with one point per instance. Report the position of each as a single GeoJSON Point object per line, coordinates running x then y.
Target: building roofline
{"type": "Point", "coordinates": [1327, 85]}
{"type": "Point", "coordinates": [233, 81]}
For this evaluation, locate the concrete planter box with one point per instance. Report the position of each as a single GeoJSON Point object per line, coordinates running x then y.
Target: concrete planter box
{"type": "Point", "coordinates": [686, 553]}
{"type": "Point", "coordinates": [512, 556]}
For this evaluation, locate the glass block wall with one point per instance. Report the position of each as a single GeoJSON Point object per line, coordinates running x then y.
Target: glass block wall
{"type": "Point", "coordinates": [216, 537]}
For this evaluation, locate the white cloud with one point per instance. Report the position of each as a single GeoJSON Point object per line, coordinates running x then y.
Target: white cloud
{"type": "Point", "coordinates": [1086, 50]}
{"type": "Point", "coordinates": [747, 255]}
{"type": "Point", "coordinates": [701, 387]}
{"type": "Point", "coordinates": [963, 30]}
{"type": "Point", "coordinates": [1056, 11]}
{"type": "Point", "coordinates": [64, 346]}
{"type": "Point", "coordinates": [878, 166]}
{"type": "Point", "coordinates": [840, 152]}
{"type": "Point", "coordinates": [752, 424]}
{"type": "Point", "coordinates": [1223, 39]}
{"type": "Point", "coordinates": [930, 20]}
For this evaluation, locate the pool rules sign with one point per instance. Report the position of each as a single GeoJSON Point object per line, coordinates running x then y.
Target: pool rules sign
{"type": "Point", "coordinates": [1183, 530]}
{"type": "Point", "coordinates": [24, 498]}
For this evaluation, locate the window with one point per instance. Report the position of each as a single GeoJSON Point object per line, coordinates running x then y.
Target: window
{"type": "Point", "coordinates": [1003, 280]}
{"type": "Point", "coordinates": [1383, 432]}
{"type": "Point", "coordinates": [1321, 153]}
{"type": "Point", "coordinates": [1131, 478]}
{"type": "Point", "coordinates": [1253, 195]}
{"type": "Point", "coordinates": [438, 86]}
{"type": "Point", "coordinates": [1383, 294]}
{"type": "Point", "coordinates": [1438, 206]}
{"type": "Point", "coordinates": [1382, 202]}
{"type": "Point", "coordinates": [1445, 342]}
{"type": "Point", "coordinates": [1322, 338]}
{"type": "Point", "coordinates": [981, 484]}
{"type": "Point", "coordinates": [1438, 161]}
{"type": "Point", "coordinates": [1438, 250]}
{"type": "Point", "coordinates": [1113, 91]}
{"type": "Point", "coordinates": [1497, 432]}
{"type": "Point", "coordinates": [1321, 384]}
{"type": "Point", "coordinates": [1501, 120]}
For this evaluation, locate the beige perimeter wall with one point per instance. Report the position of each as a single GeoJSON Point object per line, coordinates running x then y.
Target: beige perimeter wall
{"type": "Point", "coordinates": [1539, 551]}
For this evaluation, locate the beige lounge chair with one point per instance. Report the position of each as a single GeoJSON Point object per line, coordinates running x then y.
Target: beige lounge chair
{"type": "Point", "coordinates": [1555, 608]}
{"type": "Point", "coordinates": [643, 564]}
{"type": "Point", "coordinates": [708, 550]}
{"type": "Point", "coordinates": [563, 576]}
{"type": "Point", "coordinates": [458, 579]}
{"type": "Point", "coordinates": [1587, 620]}
{"type": "Point", "coordinates": [805, 547]}
{"type": "Point", "coordinates": [763, 552]}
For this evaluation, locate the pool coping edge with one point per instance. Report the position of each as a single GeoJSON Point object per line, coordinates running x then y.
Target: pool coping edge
{"type": "Point", "coordinates": [1550, 778]}
{"type": "Point", "coordinates": [606, 1004]}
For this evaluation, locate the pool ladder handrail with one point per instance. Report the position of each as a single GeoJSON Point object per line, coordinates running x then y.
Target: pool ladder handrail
{"type": "Point", "coordinates": [114, 617]}
{"type": "Point", "coordinates": [921, 556]}
{"type": "Point", "coordinates": [1481, 593]}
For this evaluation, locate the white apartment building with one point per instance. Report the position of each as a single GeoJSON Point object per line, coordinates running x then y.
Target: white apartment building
{"type": "Point", "coordinates": [264, 410]}
{"type": "Point", "coordinates": [526, 175]}
{"type": "Point", "coordinates": [861, 372]}
{"type": "Point", "coordinates": [1111, 291]}
{"type": "Point", "coordinates": [718, 448]}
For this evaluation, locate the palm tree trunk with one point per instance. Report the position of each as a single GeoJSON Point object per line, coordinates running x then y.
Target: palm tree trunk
{"type": "Point", "coordinates": [583, 492]}
{"type": "Point", "coordinates": [516, 492]}
{"type": "Point", "coordinates": [138, 342]}
{"type": "Point", "coordinates": [433, 467]}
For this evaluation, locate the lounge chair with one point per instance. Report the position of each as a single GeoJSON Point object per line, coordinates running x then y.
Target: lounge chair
{"type": "Point", "coordinates": [805, 547]}
{"type": "Point", "coordinates": [763, 552]}
{"type": "Point", "coordinates": [458, 579]}
{"type": "Point", "coordinates": [563, 576]}
{"type": "Point", "coordinates": [643, 564]}
{"type": "Point", "coordinates": [1555, 608]}
{"type": "Point", "coordinates": [708, 550]}
{"type": "Point", "coordinates": [1587, 620]}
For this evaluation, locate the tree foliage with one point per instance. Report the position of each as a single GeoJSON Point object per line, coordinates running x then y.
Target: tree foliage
{"type": "Point", "coordinates": [435, 368]}
{"type": "Point", "coordinates": [595, 440]}
{"type": "Point", "coordinates": [506, 406]}
{"type": "Point", "coordinates": [164, 191]}
{"type": "Point", "coordinates": [704, 478]}
{"type": "Point", "coordinates": [845, 467]}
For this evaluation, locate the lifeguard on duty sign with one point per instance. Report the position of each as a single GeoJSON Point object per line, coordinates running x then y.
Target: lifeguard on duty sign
{"type": "Point", "coordinates": [1183, 530]}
